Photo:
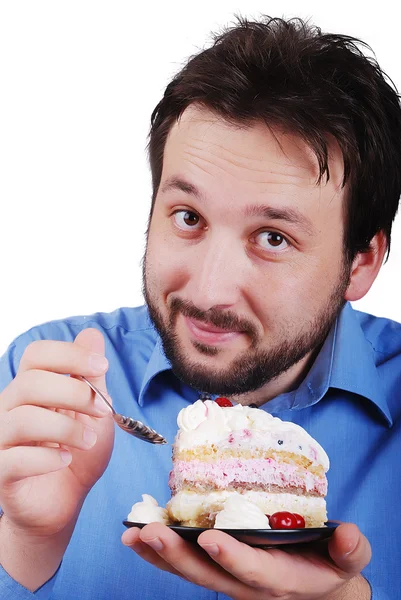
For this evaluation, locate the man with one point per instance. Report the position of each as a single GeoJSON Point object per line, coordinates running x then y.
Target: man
{"type": "Point", "coordinates": [277, 174]}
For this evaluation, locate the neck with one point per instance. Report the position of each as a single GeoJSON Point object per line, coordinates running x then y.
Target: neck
{"type": "Point", "coordinates": [286, 382]}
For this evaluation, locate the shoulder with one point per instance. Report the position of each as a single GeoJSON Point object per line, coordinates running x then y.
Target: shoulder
{"type": "Point", "coordinates": [131, 320]}
{"type": "Point", "coordinates": [120, 327]}
{"type": "Point", "coordinates": [384, 335]}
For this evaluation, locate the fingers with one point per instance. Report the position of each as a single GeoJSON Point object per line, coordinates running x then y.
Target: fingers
{"type": "Point", "coordinates": [131, 538]}
{"type": "Point", "coordinates": [63, 357]}
{"type": "Point", "coordinates": [188, 559]}
{"type": "Point", "coordinates": [240, 571]}
{"type": "Point", "coordinates": [253, 565]}
{"type": "Point", "coordinates": [39, 379]}
{"type": "Point", "coordinates": [349, 549]}
{"type": "Point", "coordinates": [31, 424]}
{"type": "Point", "coordinates": [50, 390]}
{"type": "Point", "coordinates": [288, 571]}
{"type": "Point", "coordinates": [92, 341]}
{"type": "Point", "coordinates": [271, 573]}
{"type": "Point", "coordinates": [20, 462]}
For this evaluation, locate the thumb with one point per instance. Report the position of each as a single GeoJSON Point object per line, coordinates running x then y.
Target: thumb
{"type": "Point", "coordinates": [91, 339]}
{"type": "Point", "coordinates": [349, 549]}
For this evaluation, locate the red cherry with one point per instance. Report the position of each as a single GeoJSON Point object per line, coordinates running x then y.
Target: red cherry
{"type": "Point", "coordinates": [283, 520]}
{"type": "Point", "coordinates": [223, 402]}
{"type": "Point", "coordinates": [300, 521]}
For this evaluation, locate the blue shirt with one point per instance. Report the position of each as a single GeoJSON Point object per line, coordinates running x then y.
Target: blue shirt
{"type": "Point", "coordinates": [350, 401]}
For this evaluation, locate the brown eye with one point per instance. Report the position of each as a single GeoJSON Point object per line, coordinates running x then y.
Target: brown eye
{"type": "Point", "coordinates": [187, 219]}
{"type": "Point", "coordinates": [190, 218]}
{"type": "Point", "coordinates": [275, 239]}
{"type": "Point", "coordinates": [271, 240]}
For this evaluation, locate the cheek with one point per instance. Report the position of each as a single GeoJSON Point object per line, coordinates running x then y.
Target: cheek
{"type": "Point", "coordinates": [166, 269]}
{"type": "Point", "coordinates": [292, 290]}
{"type": "Point", "coordinates": [313, 284]}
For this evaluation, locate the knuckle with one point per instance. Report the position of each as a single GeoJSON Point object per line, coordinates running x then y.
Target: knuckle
{"type": "Point", "coordinates": [283, 593]}
{"type": "Point", "coordinates": [23, 384]}
{"type": "Point", "coordinates": [31, 352]}
{"type": "Point", "coordinates": [202, 581]}
{"type": "Point", "coordinates": [252, 577]}
{"type": "Point", "coordinates": [5, 428]}
{"type": "Point", "coordinates": [14, 426]}
{"type": "Point", "coordinates": [20, 415]}
{"type": "Point", "coordinates": [73, 430]}
{"type": "Point", "coordinates": [6, 466]}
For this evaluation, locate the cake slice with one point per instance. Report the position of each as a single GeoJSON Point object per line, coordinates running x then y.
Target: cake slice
{"type": "Point", "coordinates": [222, 451]}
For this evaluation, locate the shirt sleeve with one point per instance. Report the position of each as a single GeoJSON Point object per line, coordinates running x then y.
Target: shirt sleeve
{"type": "Point", "coordinates": [8, 366]}
{"type": "Point", "coordinates": [9, 588]}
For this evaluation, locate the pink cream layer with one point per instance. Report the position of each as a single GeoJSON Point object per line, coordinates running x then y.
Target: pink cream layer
{"type": "Point", "coordinates": [255, 471]}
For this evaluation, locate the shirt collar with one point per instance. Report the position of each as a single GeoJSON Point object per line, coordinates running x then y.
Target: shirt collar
{"type": "Point", "coordinates": [157, 364]}
{"type": "Point", "coordinates": [345, 361]}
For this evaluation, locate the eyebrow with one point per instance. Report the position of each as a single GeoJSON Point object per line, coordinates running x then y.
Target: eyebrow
{"type": "Point", "coordinates": [290, 215]}
{"type": "Point", "coordinates": [177, 183]}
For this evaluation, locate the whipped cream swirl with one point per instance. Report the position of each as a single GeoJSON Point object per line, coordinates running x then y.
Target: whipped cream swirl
{"type": "Point", "coordinates": [239, 513]}
{"type": "Point", "coordinates": [148, 511]}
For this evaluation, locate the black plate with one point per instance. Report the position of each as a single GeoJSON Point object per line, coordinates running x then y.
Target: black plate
{"type": "Point", "coordinates": [258, 537]}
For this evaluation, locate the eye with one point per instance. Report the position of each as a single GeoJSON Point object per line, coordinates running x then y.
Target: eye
{"type": "Point", "coordinates": [272, 241]}
{"type": "Point", "coordinates": [187, 219]}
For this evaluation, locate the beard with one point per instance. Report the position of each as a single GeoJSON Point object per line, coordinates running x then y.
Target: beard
{"type": "Point", "coordinates": [258, 364]}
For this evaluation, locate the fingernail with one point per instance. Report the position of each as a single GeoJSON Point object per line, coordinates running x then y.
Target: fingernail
{"type": "Point", "coordinates": [211, 549]}
{"type": "Point", "coordinates": [98, 363]}
{"type": "Point", "coordinates": [354, 545]}
{"type": "Point", "coordinates": [155, 544]}
{"type": "Point", "coordinates": [90, 437]}
{"type": "Point", "coordinates": [66, 456]}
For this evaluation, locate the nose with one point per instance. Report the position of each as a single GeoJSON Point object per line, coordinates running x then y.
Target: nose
{"type": "Point", "coordinates": [216, 274]}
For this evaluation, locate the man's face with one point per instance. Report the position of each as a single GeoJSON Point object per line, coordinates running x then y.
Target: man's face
{"type": "Point", "coordinates": [244, 268]}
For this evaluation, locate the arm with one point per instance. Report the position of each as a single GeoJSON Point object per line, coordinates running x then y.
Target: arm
{"type": "Point", "coordinates": [356, 588]}
{"type": "Point", "coordinates": [54, 445]}
{"type": "Point", "coordinates": [28, 560]}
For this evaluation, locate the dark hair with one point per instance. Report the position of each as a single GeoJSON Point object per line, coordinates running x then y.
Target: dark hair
{"type": "Point", "coordinates": [289, 74]}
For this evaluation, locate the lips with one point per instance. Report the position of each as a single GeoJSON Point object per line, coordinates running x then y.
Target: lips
{"type": "Point", "coordinates": [208, 333]}
{"type": "Point", "coordinates": [209, 327]}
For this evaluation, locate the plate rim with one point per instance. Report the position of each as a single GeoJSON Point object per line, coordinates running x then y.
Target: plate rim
{"type": "Point", "coordinates": [329, 526]}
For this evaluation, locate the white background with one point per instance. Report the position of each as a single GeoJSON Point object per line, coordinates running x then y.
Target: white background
{"type": "Point", "coordinates": [79, 80]}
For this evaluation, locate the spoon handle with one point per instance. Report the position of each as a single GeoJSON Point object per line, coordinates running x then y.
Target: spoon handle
{"type": "Point", "coordinates": [98, 393]}
{"type": "Point", "coordinates": [135, 428]}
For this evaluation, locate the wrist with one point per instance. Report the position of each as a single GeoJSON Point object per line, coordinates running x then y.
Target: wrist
{"type": "Point", "coordinates": [31, 560]}
{"type": "Point", "coordinates": [357, 588]}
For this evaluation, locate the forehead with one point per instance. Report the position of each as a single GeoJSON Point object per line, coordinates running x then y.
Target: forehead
{"type": "Point", "coordinates": [256, 153]}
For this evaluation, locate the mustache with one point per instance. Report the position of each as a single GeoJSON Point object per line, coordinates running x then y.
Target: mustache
{"type": "Point", "coordinates": [224, 319]}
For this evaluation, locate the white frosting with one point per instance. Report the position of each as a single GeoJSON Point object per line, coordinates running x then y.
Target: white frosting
{"type": "Point", "coordinates": [148, 511]}
{"type": "Point", "coordinates": [208, 423]}
{"type": "Point", "coordinates": [239, 513]}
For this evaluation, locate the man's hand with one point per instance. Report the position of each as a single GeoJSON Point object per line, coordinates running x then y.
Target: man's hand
{"type": "Point", "coordinates": [54, 445]}
{"type": "Point", "coordinates": [223, 564]}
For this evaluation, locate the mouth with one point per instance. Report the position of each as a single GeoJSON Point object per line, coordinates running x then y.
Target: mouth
{"type": "Point", "coordinates": [207, 333]}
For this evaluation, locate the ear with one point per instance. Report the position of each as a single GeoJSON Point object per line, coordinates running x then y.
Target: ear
{"type": "Point", "coordinates": [365, 268]}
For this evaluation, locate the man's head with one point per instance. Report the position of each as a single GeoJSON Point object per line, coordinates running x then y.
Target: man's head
{"type": "Point", "coordinates": [277, 174]}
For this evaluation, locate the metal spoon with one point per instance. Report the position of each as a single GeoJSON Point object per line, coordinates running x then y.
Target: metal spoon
{"type": "Point", "coordinates": [135, 428]}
